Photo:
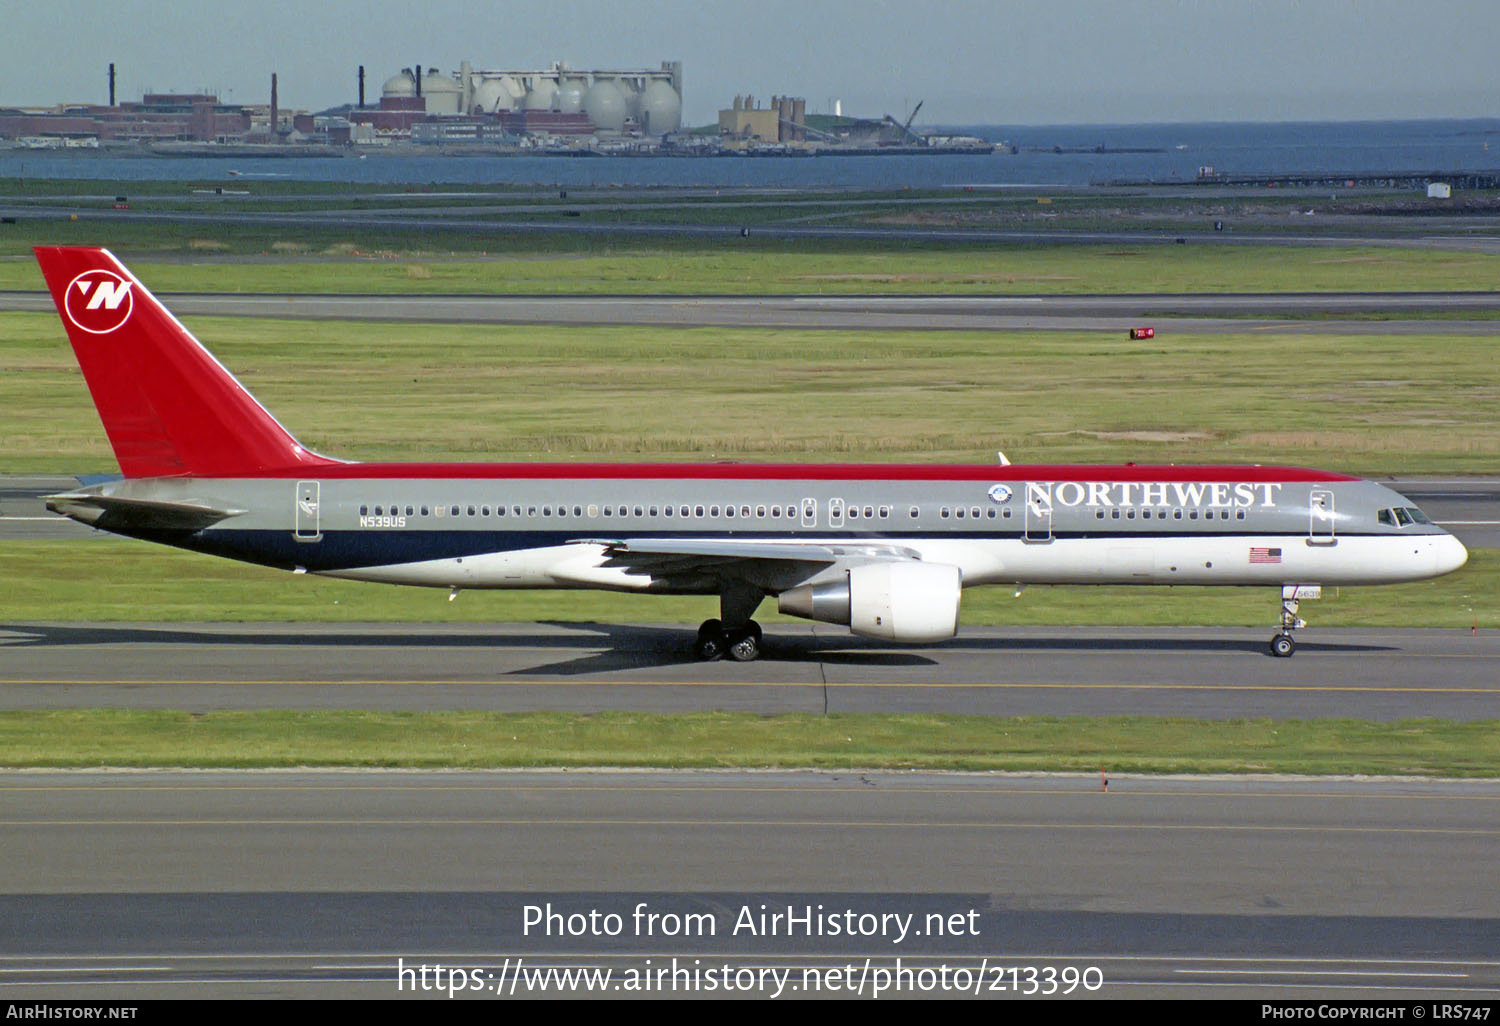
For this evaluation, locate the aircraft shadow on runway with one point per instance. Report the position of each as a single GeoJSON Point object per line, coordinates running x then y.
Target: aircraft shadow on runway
{"type": "Point", "coordinates": [601, 648]}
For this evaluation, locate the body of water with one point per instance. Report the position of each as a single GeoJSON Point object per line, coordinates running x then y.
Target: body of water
{"type": "Point", "coordinates": [1062, 155]}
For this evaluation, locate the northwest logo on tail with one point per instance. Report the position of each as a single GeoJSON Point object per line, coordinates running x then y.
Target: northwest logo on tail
{"type": "Point", "coordinates": [98, 301]}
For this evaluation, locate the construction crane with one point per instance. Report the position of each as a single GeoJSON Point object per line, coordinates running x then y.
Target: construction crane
{"type": "Point", "coordinates": [906, 132]}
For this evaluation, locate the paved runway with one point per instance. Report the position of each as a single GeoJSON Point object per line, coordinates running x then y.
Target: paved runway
{"type": "Point", "coordinates": [528, 223]}
{"type": "Point", "coordinates": [1218, 314]}
{"type": "Point", "coordinates": [314, 884]}
{"type": "Point", "coordinates": [1381, 674]}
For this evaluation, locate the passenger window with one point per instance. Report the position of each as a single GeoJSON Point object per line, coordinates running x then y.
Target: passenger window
{"type": "Point", "coordinates": [424, 511]}
{"type": "Point", "coordinates": [639, 511]}
{"type": "Point", "coordinates": [729, 511]}
{"type": "Point", "coordinates": [697, 511]}
{"type": "Point", "coordinates": [760, 512]}
{"type": "Point", "coordinates": [453, 511]}
{"type": "Point", "coordinates": [408, 511]}
{"type": "Point", "coordinates": [913, 512]}
{"type": "Point", "coordinates": [471, 511]}
{"type": "Point", "coordinates": [943, 512]}
{"type": "Point", "coordinates": [378, 511]}
{"type": "Point", "coordinates": [364, 511]}
{"type": "Point", "coordinates": [653, 511]}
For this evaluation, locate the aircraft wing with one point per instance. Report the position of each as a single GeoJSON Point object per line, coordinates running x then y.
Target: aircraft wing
{"type": "Point", "coordinates": [766, 564]}
{"type": "Point", "coordinates": [112, 512]}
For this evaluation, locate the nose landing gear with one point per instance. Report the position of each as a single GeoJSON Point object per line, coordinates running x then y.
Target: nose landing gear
{"type": "Point", "coordinates": [1282, 646]}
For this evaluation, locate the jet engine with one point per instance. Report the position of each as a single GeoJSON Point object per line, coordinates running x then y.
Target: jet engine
{"type": "Point", "coordinates": [897, 601]}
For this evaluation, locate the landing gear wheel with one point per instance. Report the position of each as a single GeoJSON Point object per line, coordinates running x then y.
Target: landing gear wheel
{"type": "Point", "coordinates": [1283, 646]}
{"type": "Point", "coordinates": [744, 643]}
{"type": "Point", "coordinates": [712, 641]}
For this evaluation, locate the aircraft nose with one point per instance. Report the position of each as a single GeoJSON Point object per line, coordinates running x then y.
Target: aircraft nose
{"type": "Point", "coordinates": [1449, 554]}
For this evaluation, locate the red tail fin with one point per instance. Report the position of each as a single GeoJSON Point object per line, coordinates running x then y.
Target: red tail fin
{"type": "Point", "coordinates": [168, 406]}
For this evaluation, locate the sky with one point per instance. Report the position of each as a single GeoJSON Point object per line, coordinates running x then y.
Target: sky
{"type": "Point", "coordinates": [970, 61]}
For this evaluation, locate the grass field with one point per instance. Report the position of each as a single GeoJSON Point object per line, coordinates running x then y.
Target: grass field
{"type": "Point", "coordinates": [474, 740]}
{"type": "Point", "coordinates": [522, 264]}
{"type": "Point", "coordinates": [1370, 405]}
{"type": "Point", "coordinates": [369, 391]}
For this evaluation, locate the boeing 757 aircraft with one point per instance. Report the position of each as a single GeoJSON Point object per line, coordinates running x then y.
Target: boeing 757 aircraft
{"type": "Point", "coordinates": [884, 549]}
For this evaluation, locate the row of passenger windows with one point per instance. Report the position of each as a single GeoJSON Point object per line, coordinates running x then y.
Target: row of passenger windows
{"type": "Point", "coordinates": [791, 512]}
{"type": "Point", "coordinates": [1174, 514]}
{"type": "Point", "coordinates": [593, 510]}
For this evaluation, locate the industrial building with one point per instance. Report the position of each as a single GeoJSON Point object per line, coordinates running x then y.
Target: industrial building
{"type": "Point", "coordinates": [785, 120]}
{"type": "Point", "coordinates": [555, 101]}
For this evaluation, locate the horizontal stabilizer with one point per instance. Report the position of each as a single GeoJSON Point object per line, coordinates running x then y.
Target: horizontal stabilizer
{"type": "Point", "coordinates": [114, 513]}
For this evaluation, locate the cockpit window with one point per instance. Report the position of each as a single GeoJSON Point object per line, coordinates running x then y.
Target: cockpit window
{"type": "Point", "coordinates": [1387, 517]}
{"type": "Point", "coordinates": [1402, 517]}
{"type": "Point", "coordinates": [1417, 515]}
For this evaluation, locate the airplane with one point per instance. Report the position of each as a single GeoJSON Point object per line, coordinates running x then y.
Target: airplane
{"type": "Point", "coordinates": [885, 549]}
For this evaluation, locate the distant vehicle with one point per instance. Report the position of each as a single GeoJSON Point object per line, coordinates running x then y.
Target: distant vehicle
{"type": "Point", "coordinates": [883, 549]}
{"type": "Point", "coordinates": [1142, 332]}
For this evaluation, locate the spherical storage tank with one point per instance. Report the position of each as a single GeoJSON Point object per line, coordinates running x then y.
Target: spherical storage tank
{"type": "Point", "coordinates": [605, 105]}
{"type": "Point", "coordinates": [497, 94]}
{"type": "Point", "coordinates": [490, 96]}
{"type": "Point", "coordinates": [661, 108]}
{"type": "Point", "coordinates": [543, 95]}
{"type": "Point", "coordinates": [400, 85]}
{"type": "Point", "coordinates": [570, 95]}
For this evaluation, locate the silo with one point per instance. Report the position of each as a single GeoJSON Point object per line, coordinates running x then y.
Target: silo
{"type": "Point", "coordinates": [443, 94]}
{"type": "Point", "coordinates": [605, 105]}
{"type": "Point", "coordinates": [661, 108]}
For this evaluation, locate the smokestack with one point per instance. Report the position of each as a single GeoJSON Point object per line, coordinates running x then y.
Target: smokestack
{"type": "Point", "coordinates": [361, 85]}
{"type": "Point", "coordinates": [275, 113]}
{"type": "Point", "coordinates": [111, 83]}
{"type": "Point", "coordinates": [417, 72]}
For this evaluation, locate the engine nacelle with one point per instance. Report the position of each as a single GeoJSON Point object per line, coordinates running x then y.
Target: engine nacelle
{"type": "Point", "coordinates": [897, 601]}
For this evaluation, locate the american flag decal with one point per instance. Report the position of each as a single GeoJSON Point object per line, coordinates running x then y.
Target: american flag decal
{"type": "Point", "coordinates": [1265, 555]}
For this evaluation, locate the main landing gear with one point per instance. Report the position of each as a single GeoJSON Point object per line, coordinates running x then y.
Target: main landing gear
{"type": "Point", "coordinates": [1282, 645]}
{"type": "Point", "coordinates": [742, 644]}
{"type": "Point", "coordinates": [736, 635]}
